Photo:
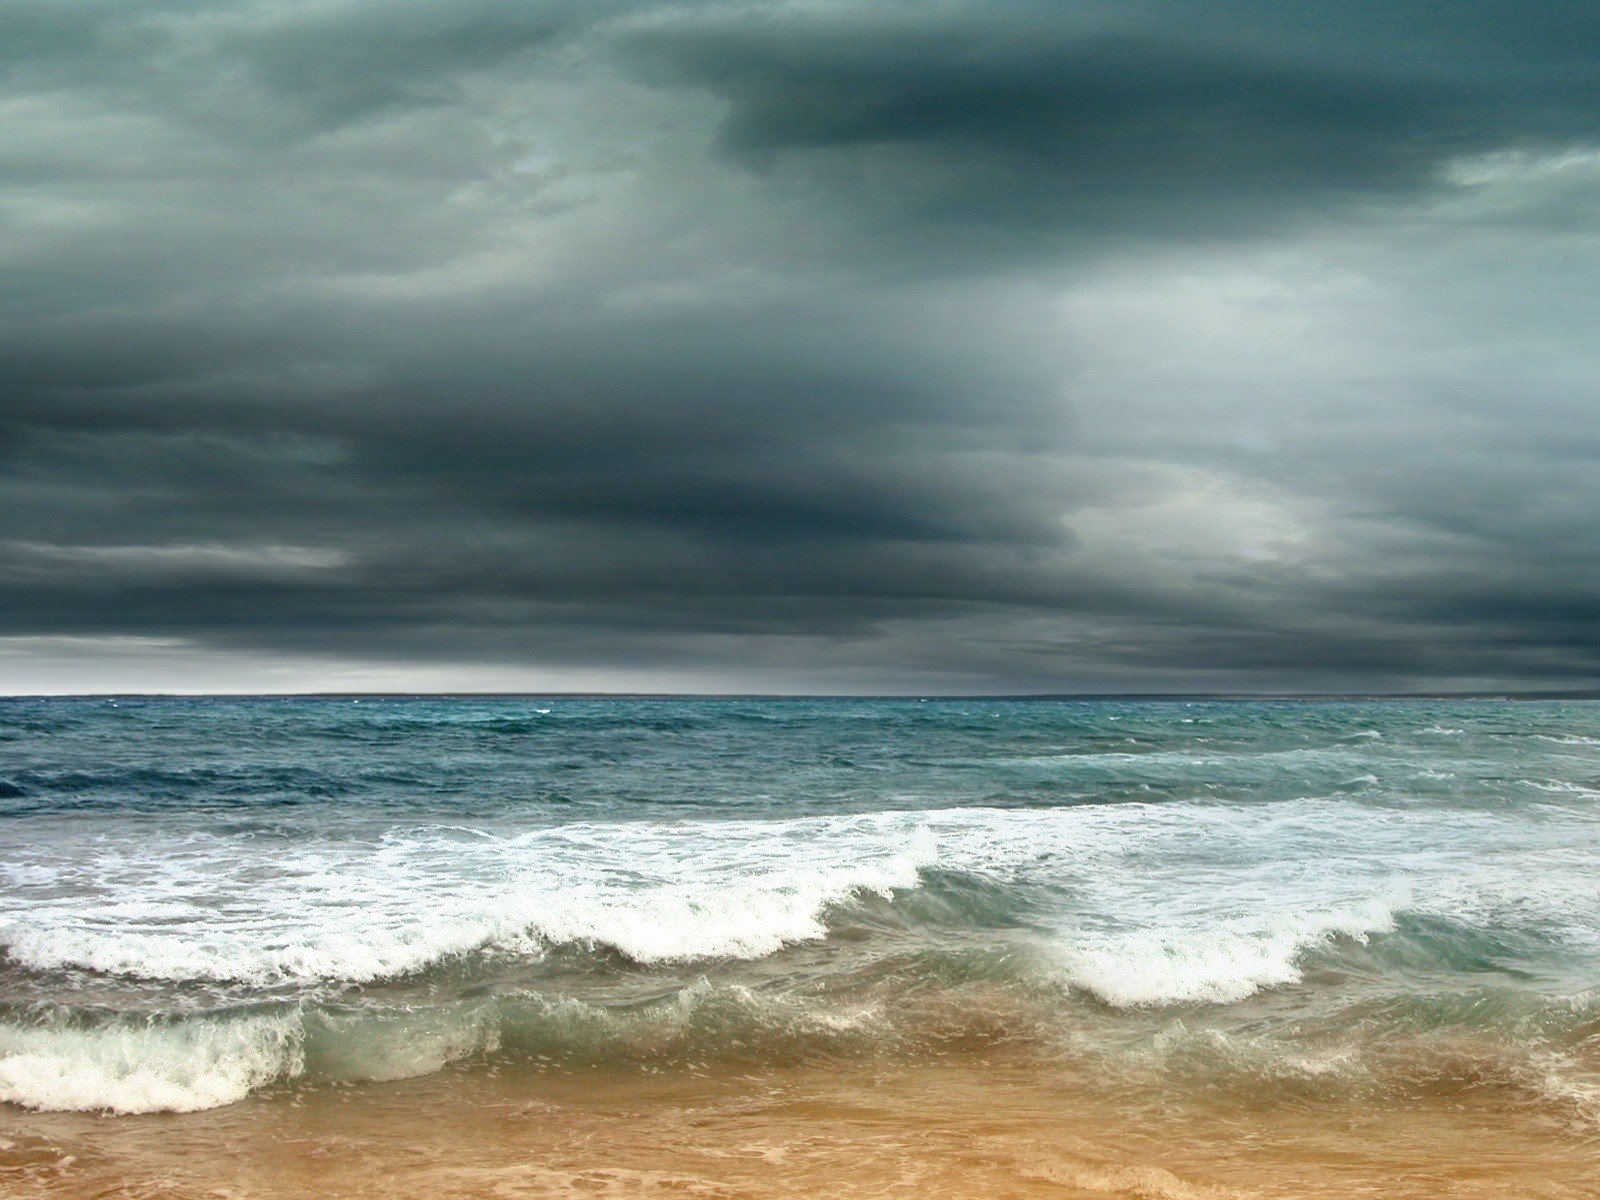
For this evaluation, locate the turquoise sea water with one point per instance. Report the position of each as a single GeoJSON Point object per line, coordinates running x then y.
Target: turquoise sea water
{"type": "Point", "coordinates": [201, 898]}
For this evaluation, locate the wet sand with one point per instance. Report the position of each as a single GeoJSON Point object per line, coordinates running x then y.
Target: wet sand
{"type": "Point", "coordinates": [962, 1127]}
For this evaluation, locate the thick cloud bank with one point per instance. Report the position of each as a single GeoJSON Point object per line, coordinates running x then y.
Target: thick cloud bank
{"type": "Point", "coordinates": [798, 346]}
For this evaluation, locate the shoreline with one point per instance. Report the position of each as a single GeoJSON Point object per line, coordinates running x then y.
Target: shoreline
{"type": "Point", "coordinates": [971, 1125]}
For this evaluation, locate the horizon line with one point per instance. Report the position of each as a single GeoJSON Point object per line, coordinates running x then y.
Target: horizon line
{"type": "Point", "coordinates": [411, 694]}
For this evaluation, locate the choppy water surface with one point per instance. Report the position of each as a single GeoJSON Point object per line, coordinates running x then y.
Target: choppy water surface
{"type": "Point", "coordinates": [201, 899]}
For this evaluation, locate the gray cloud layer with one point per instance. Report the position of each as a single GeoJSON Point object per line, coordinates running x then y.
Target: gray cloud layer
{"type": "Point", "coordinates": [817, 346]}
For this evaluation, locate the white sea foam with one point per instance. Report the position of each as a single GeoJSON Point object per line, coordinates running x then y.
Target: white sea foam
{"type": "Point", "coordinates": [140, 1067]}
{"type": "Point", "coordinates": [1215, 965]}
{"type": "Point", "coordinates": [359, 912]}
{"type": "Point", "coordinates": [134, 1065]}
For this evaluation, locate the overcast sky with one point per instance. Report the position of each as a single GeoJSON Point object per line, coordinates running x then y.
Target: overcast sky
{"type": "Point", "coordinates": [860, 347]}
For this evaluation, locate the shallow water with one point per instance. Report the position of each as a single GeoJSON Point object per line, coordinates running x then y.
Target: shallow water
{"type": "Point", "coordinates": [1272, 948]}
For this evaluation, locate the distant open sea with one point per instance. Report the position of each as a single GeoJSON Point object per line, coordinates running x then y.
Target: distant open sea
{"type": "Point", "coordinates": [1144, 948]}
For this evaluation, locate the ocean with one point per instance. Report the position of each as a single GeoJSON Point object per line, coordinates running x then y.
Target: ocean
{"type": "Point", "coordinates": [580, 946]}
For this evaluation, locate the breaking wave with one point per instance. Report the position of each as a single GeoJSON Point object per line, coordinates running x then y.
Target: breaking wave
{"type": "Point", "coordinates": [666, 924]}
{"type": "Point", "coordinates": [1297, 892]}
{"type": "Point", "coordinates": [149, 1066]}
{"type": "Point", "coordinates": [1218, 966]}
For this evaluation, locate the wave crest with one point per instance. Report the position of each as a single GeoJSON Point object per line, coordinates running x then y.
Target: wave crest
{"type": "Point", "coordinates": [142, 1067]}
{"type": "Point", "coordinates": [1217, 966]}
{"type": "Point", "coordinates": [663, 924]}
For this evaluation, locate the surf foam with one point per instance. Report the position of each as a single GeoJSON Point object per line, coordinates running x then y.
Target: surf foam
{"type": "Point", "coordinates": [133, 1067]}
{"type": "Point", "coordinates": [1213, 965]}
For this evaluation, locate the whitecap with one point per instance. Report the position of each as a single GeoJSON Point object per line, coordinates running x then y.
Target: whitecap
{"type": "Point", "coordinates": [1212, 965]}
{"type": "Point", "coordinates": [145, 1066]}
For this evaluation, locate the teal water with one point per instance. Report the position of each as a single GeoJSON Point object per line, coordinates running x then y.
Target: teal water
{"type": "Point", "coordinates": [200, 898]}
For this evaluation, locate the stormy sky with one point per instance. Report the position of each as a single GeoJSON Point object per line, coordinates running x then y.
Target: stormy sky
{"type": "Point", "coordinates": [827, 347]}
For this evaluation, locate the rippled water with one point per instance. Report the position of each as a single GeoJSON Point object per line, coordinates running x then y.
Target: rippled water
{"type": "Point", "coordinates": [204, 898]}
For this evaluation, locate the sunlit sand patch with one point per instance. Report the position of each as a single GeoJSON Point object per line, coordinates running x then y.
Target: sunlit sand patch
{"type": "Point", "coordinates": [962, 1128]}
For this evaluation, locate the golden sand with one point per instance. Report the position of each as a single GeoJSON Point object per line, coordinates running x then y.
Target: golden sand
{"type": "Point", "coordinates": [973, 1127]}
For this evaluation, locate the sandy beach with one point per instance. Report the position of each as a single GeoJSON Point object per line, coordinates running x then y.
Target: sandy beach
{"type": "Point", "coordinates": [978, 1127]}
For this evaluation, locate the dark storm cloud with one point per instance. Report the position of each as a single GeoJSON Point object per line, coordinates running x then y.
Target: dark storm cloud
{"type": "Point", "coordinates": [973, 346]}
{"type": "Point", "coordinates": [1175, 120]}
